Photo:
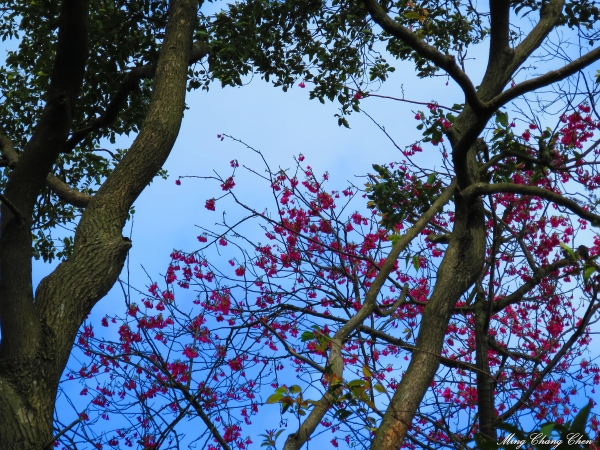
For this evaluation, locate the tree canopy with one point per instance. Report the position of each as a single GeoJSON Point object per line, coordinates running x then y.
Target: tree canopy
{"type": "Point", "coordinates": [495, 307]}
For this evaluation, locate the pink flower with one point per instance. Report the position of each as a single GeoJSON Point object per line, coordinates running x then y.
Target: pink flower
{"type": "Point", "coordinates": [178, 182]}
{"type": "Point", "coordinates": [418, 116]}
{"type": "Point", "coordinates": [235, 364]}
{"type": "Point", "coordinates": [240, 271]}
{"type": "Point", "coordinates": [222, 242]}
{"type": "Point", "coordinates": [210, 204]}
{"type": "Point", "coordinates": [190, 352]}
{"type": "Point", "coordinates": [584, 108]}
{"type": "Point", "coordinates": [301, 85]}
{"type": "Point", "coordinates": [234, 163]}
{"type": "Point", "coordinates": [201, 238]}
{"type": "Point", "coordinates": [358, 96]}
{"type": "Point", "coordinates": [228, 184]}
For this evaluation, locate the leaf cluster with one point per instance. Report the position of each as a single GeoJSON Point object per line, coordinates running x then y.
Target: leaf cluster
{"type": "Point", "coordinates": [399, 195]}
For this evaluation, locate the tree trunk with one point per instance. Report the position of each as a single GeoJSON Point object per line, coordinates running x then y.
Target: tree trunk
{"type": "Point", "coordinates": [38, 331]}
{"type": "Point", "coordinates": [460, 268]}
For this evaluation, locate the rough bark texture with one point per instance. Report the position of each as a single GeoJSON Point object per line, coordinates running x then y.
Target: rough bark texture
{"type": "Point", "coordinates": [460, 268]}
{"type": "Point", "coordinates": [38, 330]}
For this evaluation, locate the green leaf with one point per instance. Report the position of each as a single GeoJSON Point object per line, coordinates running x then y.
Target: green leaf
{"type": "Point", "coordinates": [366, 372]}
{"type": "Point", "coordinates": [513, 429]}
{"type": "Point", "coordinates": [394, 238]}
{"type": "Point", "coordinates": [588, 272]}
{"type": "Point", "coordinates": [502, 118]}
{"type": "Point", "coordinates": [431, 179]}
{"type": "Point", "coordinates": [581, 419]}
{"type": "Point", "coordinates": [484, 444]}
{"type": "Point", "coordinates": [295, 389]}
{"type": "Point", "coordinates": [568, 250]}
{"type": "Point", "coordinates": [354, 384]}
{"type": "Point", "coordinates": [547, 429]}
{"type": "Point", "coordinates": [274, 398]}
{"type": "Point", "coordinates": [342, 414]}
{"type": "Point", "coordinates": [307, 336]}
{"type": "Point", "coordinates": [412, 15]}
{"type": "Point", "coordinates": [380, 388]}
{"type": "Point", "coordinates": [415, 261]}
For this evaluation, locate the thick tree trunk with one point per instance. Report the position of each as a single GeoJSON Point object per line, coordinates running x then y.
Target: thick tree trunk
{"type": "Point", "coordinates": [460, 268]}
{"type": "Point", "coordinates": [38, 331]}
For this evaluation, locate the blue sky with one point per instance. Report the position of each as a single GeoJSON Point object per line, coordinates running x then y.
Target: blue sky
{"type": "Point", "coordinates": [281, 125]}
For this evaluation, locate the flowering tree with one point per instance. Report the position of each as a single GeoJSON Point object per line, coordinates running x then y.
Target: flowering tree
{"type": "Point", "coordinates": [492, 315]}
{"type": "Point", "coordinates": [323, 321]}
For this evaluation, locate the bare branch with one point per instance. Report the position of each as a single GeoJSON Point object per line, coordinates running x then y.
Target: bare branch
{"type": "Point", "coordinates": [550, 14]}
{"type": "Point", "coordinates": [544, 80]}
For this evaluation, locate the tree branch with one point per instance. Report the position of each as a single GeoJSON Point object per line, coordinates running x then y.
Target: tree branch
{"type": "Point", "coordinates": [543, 80]}
{"type": "Point", "coordinates": [550, 14]}
{"type": "Point", "coordinates": [290, 350]}
{"type": "Point", "coordinates": [484, 189]}
{"type": "Point", "coordinates": [21, 332]}
{"type": "Point", "coordinates": [393, 308]}
{"type": "Point", "coordinates": [503, 61]}
{"type": "Point", "coordinates": [500, 28]}
{"type": "Point", "coordinates": [129, 83]}
{"type": "Point", "coordinates": [59, 187]}
{"type": "Point", "coordinates": [446, 62]}
{"type": "Point", "coordinates": [67, 193]}
{"type": "Point", "coordinates": [592, 308]}
{"type": "Point", "coordinates": [13, 209]}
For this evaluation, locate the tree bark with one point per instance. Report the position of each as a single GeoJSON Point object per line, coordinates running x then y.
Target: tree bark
{"type": "Point", "coordinates": [459, 269]}
{"type": "Point", "coordinates": [38, 331]}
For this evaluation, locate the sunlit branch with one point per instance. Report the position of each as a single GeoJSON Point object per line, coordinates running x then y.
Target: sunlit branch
{"type": "Point", "coordinates": [391, 309]}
